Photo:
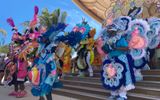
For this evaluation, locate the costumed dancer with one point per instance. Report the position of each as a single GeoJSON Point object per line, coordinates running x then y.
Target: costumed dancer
{"type": "Point", "coordinates": [89, 42]}
{"type": "Point", "coordinates": [118, 74]}
{"type": "Point", "coordinates": [135, 40]}
{"type": "Point", "coordinates": [85, 55]}
{"type": "Point", "coordinates": [43, 74]}
{"type": "Point", "coordinates": [18, 75]}
{"type": "Point", "coordinates": [70, 40]}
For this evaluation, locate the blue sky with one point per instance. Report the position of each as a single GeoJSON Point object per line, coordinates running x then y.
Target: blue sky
{"type": "Point", "coordinates": [22, 10]}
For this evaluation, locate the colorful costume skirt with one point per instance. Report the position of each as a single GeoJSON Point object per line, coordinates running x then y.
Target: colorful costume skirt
{"type": "Point", "coordinates": [118, 72]}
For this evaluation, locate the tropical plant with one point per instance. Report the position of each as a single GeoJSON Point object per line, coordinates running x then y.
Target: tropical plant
{"type": "Point", "coordinates": [2, 39]}
{"type": "Point", "coordinates": [49, 19]}
{"type": "Point", "coordinates": [25, 24]}
{"type": "Point", "coordinates": [4, 49]}
{"type": "Point", "coordinates": [3, 32]}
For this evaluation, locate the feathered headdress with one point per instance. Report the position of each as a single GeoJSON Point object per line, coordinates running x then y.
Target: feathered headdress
{"type": "Point", "coordinates": [135, 11]}
{"type": "Point", "coordinates": [11, 23]}
{"type": "Point", "coordinates": [71, 38]}
{"type": "Point", "coordinates": [55, 23]}
{"type": "Point", "coordinates": [122, 22]}
{"type": "Point", "coordinates": [35, 18]}
{"type": "Point", "coordinates": [83, 28]}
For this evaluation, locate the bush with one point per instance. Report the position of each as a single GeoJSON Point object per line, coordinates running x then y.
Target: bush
{"type": "Point", "coordinates": [4, 49]}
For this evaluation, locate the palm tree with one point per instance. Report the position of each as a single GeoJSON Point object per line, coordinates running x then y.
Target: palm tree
{"type": "Point", "coordinates": [25, 24]}
{"type": "Point", "coordinates": [48, 19]}
{"type": "Point", "coordinates": [4, 33]}
{"type": "Point", "coordinates": [3, 48]}
{"type": "Point", "coordinates": [54, 22]}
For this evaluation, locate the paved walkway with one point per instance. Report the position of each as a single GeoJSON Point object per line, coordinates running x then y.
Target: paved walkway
{"type": "Point", "coordinates": [5, 90]}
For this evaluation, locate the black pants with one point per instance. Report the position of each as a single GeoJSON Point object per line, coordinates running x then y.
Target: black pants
{"type": "Point", "coordinates": [48, 96]}
{"type": "Point", "coordinates": [19, 87]}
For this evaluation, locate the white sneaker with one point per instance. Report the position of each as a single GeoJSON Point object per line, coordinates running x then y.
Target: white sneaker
{"type": "Point", "coordinates": [91, 74]}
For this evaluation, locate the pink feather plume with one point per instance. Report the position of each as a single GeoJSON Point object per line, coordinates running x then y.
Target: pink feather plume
{"type": "Point", "coordinates": [36, 9]}
{"type": "Point", "coordinates": [11, 22]}
{"type": "Point", "coordinates": [34, 20]}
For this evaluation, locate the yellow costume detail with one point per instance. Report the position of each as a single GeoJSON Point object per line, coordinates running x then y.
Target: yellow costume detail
{"type": "Point", "coordinates": [66, 60]}
{"type": "Point", "coordinates": [90, 43]}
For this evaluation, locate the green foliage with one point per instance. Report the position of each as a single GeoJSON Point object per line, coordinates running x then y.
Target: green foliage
{"type": "Point", "coordinates": [2, 39]}
{"type": "Point", "coordinates": [3, 32]}
{"type": "Point", "coordinates": [45, 18]}
{"type": "Point", "coordinates": [25, 23]}
{"type": "Point", "coordinates": [4, 49]}
{"type": "Point", "coordinates": [63, 17]}
{"type": "Point", "coordinates": [48, 19]}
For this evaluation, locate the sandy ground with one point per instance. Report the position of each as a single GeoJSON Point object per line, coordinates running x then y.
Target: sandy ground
{"type": "Point", "coordinates": [5, 90]}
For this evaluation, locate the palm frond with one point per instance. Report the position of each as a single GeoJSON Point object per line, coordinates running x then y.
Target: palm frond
{"type": "Point", "coordinates": [25, 24]}
{"type": "Point", "coordinates": [45, 18]}
{"type": "Point", "coordinates": [57, 12]}
{"type": "Point", "coordinates": [3, 32]}
{"type": "Point", "coordinates": [63, 17]}
{"type": "Point", "coordinates": [52, 19]}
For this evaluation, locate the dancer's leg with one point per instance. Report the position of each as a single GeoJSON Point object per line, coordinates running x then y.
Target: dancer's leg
{"type": "Point", "coordinates": [22, 93]}
{"type": "Point", "coordinates": [81, 74]}
{"type": "Point", "coordinates": [49, 96]}
{"type": "Point", "coordinates": [41, 98]}
{"type": "Point", "coordinates": [138, 74]}
{"type": "Point", "coordinates": [90, 69]}
{"type": "Point", "coordinates": [15, 92]}
{"type": "Point", "coordinates": [16, 87]}
{"type": "Point", "coordinates": [22, 86]}
{"type": "Point", "coordinates": [122, 94]}
{"type": "Point", "coordinates": [114, 94]}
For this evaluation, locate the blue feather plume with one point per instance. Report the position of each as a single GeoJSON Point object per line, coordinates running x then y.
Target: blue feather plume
{"type": "Point", "coordinates": [73, 38]}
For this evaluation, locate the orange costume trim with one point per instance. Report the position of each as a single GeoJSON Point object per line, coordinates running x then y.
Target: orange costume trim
{"type": "Point", "coordinates": [97, 59]}
{"type": "Point", "coordinates": [67, 59]}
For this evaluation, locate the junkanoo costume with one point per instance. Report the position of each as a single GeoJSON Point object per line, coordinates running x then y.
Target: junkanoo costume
{"type": "Point", "coordinates": [38, 47]}
{"type": "Point", "coordinates": [22, 48]}
{"type": "Point", "coordinates": [89, 42]}
{"type": "Point", "coordinates": [125, 40]}
{"type": "Point", "coordinates": [17, 68]}
{"type": "Point", "coordinates": [43, 74]}
{"type": "Point", "coordinates": [85, 50]}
